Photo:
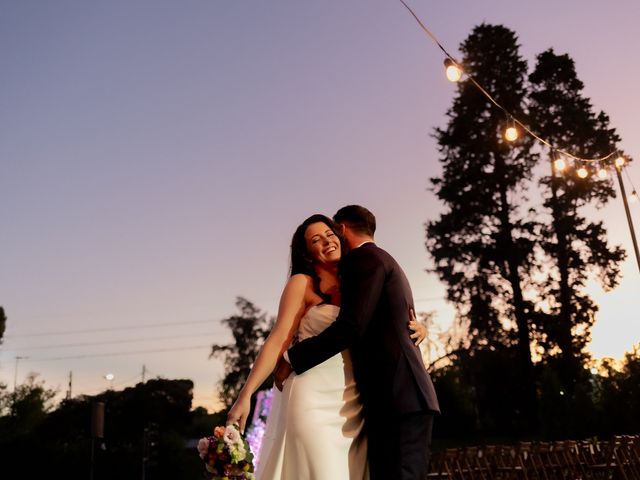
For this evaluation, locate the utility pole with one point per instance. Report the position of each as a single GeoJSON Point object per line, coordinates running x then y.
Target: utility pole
{"type": "Point", "coordinates": [70, 382]}
{"type": "Point", "coordinates": [626, 209]}
{"type": "Point", "coordinates": [144, 371]}
{"type": "Point", "coordinates": [15, 374]}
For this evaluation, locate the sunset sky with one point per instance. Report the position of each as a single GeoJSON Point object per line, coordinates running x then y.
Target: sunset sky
{"type": "Point", "coordinates": [157, 155]}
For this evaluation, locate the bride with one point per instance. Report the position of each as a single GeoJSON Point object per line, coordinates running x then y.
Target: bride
{"type": "Point", "coordinates": [314, 430]}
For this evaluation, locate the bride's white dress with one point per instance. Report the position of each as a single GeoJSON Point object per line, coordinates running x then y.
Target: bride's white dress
{"type": "Point", "coordinates": [314, 430]}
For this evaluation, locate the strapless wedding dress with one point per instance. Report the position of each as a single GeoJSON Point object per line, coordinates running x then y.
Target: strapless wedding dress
{"type": "Point", "coordinates": [314, 429]}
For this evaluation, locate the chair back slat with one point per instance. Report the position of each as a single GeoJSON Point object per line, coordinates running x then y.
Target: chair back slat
{"type": "Point", "coordinates": [615, 459]}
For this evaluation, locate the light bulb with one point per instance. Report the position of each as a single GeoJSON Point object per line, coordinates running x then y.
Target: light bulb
{"type": "Point", "coordinates": [453, 70]}
{"type": "Point", "coordinates": [583, 172]}
{"type": "Point", "coordinates": [560, 164]}
{"type": "Point", "coordinates": [602, 173]}
{"type": "Point", "coordinates": [620, 161]}
{"type": "Point", "coordinates": [511, 133]}
{"type": "Point", "coordinates": [633, 198]}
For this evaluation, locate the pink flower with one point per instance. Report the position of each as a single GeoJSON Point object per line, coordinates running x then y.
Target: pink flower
{"type": "Point", "coordinates": [231, 435]}
{"type": "Point", "coordinates": [203, 447]}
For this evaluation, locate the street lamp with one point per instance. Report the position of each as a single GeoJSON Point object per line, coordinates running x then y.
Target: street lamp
{"type": "Point", "coordinates": [110, 377]}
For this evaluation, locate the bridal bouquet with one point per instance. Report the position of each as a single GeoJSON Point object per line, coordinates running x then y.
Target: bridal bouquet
{"type": "Point", "coordinates": [226, 454]}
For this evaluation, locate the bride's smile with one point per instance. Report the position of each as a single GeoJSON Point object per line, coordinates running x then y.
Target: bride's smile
{"type": "Point", "coordinates": [322, 243]}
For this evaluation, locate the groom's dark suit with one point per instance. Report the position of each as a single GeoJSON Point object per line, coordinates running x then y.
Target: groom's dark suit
{"type": "Point", "coordinates": [397, 394]}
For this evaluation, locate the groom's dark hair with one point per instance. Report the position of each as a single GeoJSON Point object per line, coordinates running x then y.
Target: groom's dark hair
{"type": "Point", "coordinates": [357, 218]}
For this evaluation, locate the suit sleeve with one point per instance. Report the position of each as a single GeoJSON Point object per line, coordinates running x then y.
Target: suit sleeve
{"type": "Point", "coordinates": [362, 279]}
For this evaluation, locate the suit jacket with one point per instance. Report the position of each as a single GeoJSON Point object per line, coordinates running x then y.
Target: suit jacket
{"type": "Point", "coordinates": [372, 323]}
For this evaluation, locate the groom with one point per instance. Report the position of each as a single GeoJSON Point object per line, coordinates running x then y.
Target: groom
{"type": "Point", "coordinates": [397, 394]}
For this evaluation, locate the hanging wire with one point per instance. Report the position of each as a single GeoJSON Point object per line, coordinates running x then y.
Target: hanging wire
{"type": "Point", "coordinates": [105, 342]}
{"type": "Point", "coordinates": [626, 171]}
{"type": "Point", "coordinates": [495, 102]}
{"type": "Point", "coordinates": [107, 329]}
{"type": "Point", "coordinates": [120, 354]}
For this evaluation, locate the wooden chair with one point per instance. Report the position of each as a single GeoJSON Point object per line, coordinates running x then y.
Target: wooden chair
{"type": "Point", "coordinates": [437, 468]}
{"type": "Point", "coordinates": [509, 463]}
{"type": "Point", "coordinates": [625, 457]}
{"type": "Point", "coordinates": [566, 453]}
{"type": "Point", "coordinates": [475, 463]}
{"type": "Point", "coordinates": [598, 459]}
{"type": "Point", "coordinates": [451, 462]}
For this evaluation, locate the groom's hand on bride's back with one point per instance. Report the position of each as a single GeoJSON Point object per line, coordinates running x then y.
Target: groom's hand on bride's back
{"type": "Point", "coordinates": [418, 332]}
{"type": "Point", "coordinates": [281, 373]}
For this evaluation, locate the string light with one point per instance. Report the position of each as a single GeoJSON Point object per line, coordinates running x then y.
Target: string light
{"type": "Point", "coordinates": [454, 73]}
{"type": "Point", "coordinates": [560, 164]}
{"type": "Point", "coordinates": [583, 172]}
{"type": "Point", "coordinates": [633, 198]}
{"type": "Point", "coordinates": [602, 172]}
{"type": "Point", "coordinates": [452, 70]}
{"type": "Point", "coordinates": [511, 132]}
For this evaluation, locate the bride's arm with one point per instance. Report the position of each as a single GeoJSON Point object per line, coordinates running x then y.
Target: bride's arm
{"type": "Point", "coordinates": [291, 309]}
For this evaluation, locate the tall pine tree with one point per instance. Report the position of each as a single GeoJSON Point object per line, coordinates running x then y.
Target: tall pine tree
{"type": "Point", "coordinates": [574, 246]}
{"type": "Point", "coordinates": [483, 245]}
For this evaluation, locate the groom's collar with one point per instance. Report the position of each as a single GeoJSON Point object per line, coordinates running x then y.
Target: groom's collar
{"type": "Point", "coordinates": [363, 243]}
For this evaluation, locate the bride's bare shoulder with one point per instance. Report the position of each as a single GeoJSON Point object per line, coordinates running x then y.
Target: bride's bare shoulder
{"type": "Point", "coordinates": [300, 280]}
{"type": "Point", "coordinates": [301, 285]}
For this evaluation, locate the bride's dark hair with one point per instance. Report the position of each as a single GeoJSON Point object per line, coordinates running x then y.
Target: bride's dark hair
{"type": "Point", "coordinates": [301, 261]}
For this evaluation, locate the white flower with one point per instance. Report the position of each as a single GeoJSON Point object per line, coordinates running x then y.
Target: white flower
{"type": "Point", "coordinates": [203, 447]}
{"type": "Point", "coordinates": [238, 453]}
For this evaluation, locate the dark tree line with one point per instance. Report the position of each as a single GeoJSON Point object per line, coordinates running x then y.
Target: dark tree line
{"type": "Point", "coordinates": [153, 420]}
{"type": "Point", "coordinates": [478, 404]}
{"type": "Point", "coordinates": [513, 246]}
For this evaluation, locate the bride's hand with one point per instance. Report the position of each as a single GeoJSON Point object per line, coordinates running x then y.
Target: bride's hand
{"type": "Point", "coordinates": [418, 329]}
{"type": "Point", "coordinates": [281, 373]}
{"type": "Point", "coordinates": [239, 412]}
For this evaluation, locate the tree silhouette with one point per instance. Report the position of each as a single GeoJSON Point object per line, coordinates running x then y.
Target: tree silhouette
{"type": "Point", "coordinates": [516, 276]}
{"type": "Point", "coordinates": [483, 245]}
{"type": "Point", "coordinates": [24, 409]}
{"type": "Point", "coordinates": [575, 246]}
{"type": "Point", "coordinates": [249, 329]}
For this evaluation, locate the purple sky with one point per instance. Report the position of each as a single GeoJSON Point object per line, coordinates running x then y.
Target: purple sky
{"type": "Point", "coordinates": [157, 155]}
